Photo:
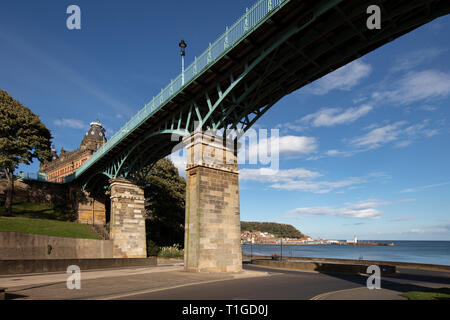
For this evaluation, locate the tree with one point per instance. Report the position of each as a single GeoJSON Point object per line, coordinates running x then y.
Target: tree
{"type": "Point", "coordinates": [23, 137]}
{"type": "Point", "coordinates": [165, 204]}
{"type": "Point", "coordinates": [277, 229]}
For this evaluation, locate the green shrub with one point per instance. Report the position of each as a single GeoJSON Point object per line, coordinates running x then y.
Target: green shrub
{"type": "Point", "coordinates": [174, 251]}
{"type": "Point", "coordinates": [152, 248]}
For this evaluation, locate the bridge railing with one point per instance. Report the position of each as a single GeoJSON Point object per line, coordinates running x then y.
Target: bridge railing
{"type": "Point", "coordinates": [246, 24]}
{"type": "Point", "coordinates": [33, 176]}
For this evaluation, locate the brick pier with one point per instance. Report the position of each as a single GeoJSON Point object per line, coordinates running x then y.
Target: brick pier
{"type": "Point", "coordinates": [212, 226]}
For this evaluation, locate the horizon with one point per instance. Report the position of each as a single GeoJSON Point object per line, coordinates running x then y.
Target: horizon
{"type": "Point", "coordinates": [363, 150]}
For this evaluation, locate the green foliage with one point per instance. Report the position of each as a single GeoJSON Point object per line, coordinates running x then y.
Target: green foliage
{"type": "Point", "coordinates": [429, 294]}
{"type": "Point", "coordinates": [48, 227]}
{"type": "Point", "coordinates": [174, 251]}
{"type": "Point", "coordinates": [277, 229]}
{"type": "Point", "coordinates": [23, 137]}
{"type": "Point", "coordinates": [40, 210]}
{"type": "Point", "coordinates": [152, 248]}
{"type": "Point", "coordinates": [165, 202]}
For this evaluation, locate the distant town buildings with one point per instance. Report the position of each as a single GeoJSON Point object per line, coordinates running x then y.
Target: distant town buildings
{"type": "Point", "coordinates": [268, 238]}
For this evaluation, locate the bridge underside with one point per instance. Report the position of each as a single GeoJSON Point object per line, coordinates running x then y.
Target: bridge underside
{"type": "Point", "coordinates": [300, 42]}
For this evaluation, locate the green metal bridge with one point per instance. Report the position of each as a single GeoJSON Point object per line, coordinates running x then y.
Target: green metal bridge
{"type": "Point", "coordinates": [277, 47]}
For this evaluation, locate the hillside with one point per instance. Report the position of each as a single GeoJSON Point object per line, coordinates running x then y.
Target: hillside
{"type": "Point", "coordinates": [48, 227]}
{"type": "Point", "coordinates": [44, 219]}
{"type": "Point", "coordinates": [277, 229]}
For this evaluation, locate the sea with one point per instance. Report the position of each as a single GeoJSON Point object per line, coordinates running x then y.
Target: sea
{"type": "Point", "coordinates": [430, 252]}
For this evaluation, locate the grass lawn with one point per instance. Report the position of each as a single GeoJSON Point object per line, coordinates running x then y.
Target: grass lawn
{"type": "Point", "coordinates": [45, 219]}
{"type": "Point", "coordinates": [431, 294]}
{"type": "Point", "coordinates": [48, 227]}
{"type": "Point", "coordinates": [37, 210]}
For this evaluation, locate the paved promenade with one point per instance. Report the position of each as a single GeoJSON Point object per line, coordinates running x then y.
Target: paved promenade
{"type": "Point", "coordinates": [110, 284]}
{"type": "Point", "coordinates": [171, 282]}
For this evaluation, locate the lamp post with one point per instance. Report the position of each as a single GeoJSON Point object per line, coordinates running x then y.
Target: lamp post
{"type": "Point", "coordinates": [281, 247]}
{"type": "Point", "coordinates": [251, 249]}
{"type": "Point", "coordinates": [183, 46]}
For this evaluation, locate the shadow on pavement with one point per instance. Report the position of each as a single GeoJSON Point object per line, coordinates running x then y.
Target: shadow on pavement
{"type": "Point", "coordinates": [388, 281]}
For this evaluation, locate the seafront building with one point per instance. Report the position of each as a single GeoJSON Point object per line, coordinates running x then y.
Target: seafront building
{"type": "Point", "coordinates": [68, 162]}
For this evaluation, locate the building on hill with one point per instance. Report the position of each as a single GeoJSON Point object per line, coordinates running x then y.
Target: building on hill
{"type": "Point", "coordinates": [69, 161]}
{"type": "Point", "coordinates": [90, 210]}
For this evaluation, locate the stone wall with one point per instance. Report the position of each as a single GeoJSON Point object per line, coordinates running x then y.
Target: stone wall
{"type": "Point", "coordinates": [22, 246]}
{"type": "Point", "coordinates": [127, 219]}
{"type": "Point", "coordinates": [90, 210]}
{"type": "Point", "coordinates": [36, 191]}
{"type": "Point", "coordinates": [9, 267]}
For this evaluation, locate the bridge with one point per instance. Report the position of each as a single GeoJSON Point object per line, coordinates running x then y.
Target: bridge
{"type": "Point", "coordinates": [275, 48]}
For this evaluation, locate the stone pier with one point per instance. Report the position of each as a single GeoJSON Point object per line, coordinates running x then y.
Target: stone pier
{"type": "Point", "coordinates": [90, 210]}
{"type": "Point", "coordinates": [127, 219]}
{"type": "Point", "coordinates": [212, 226]}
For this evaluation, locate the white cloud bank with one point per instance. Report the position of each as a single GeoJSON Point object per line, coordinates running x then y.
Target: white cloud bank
{"type": "Point", "coordinates": [333, 116]}
{"type": "Point", "coordinates": [70, 123]}
{"type": "Point", "coordinates": [298, 179]}
{"type": "Point", "coordinates": [416, 86]}
{"type": "Point", "coordinates": [344, 78]}
{"type": "Point", "coordinates": [422, 188]}
{"type": "Point", "coordinates": [290, 145]}
{"type": "Point", "coordinates": [362, 209]}
{"type": "Point", "coordinates": [398, 131]}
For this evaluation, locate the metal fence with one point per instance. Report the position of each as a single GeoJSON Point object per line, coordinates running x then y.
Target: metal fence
{"type": "Point", "coordinates": [246, 24]}
{"type": "Point", "coordinates": [33, 176]}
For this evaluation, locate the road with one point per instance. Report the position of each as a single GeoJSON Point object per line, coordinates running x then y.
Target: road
{"type": "Point", "coordinates": [172, 283]}
{"type": "Point", "coordinates": [294, 285]}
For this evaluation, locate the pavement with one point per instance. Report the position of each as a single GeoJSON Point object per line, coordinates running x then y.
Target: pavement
{"type": "Point", "coordinates": [110, 283]}
{"type": "Point", "coordinates": [170, 282]}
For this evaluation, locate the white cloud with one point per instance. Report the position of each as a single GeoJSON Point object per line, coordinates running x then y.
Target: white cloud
{"type": "Point", "coordinates": [286, 145]}
{"type": "Point", "coordinates": [416, 86]}
{"type": "Point", "coordinates": [299, 179]}
{"type": "Point", "coordinates": [379, 136]}
{"type": "Point", "coordinates": [362, 209]}
{"type": "Point", "coordinates": [317, 186]}
{"type": "Point", "coordinates": [406, 200]}
{"type": "Point", "coordinates": [333, 116]}
{"type": "Point", "coordinates": [429, 108]}
{"type": "Point", "coordinates": [404, 143]}
{"type": "Point", "coordinates": [70, 123]}
{"type": "Point", "coordinates": [432, 229]}
{"type": "Point", "coordinates": [345, 78]}
{"type": "Point", "coordinates": [294, 144]}
{"type": "Point", "coordinates": [271, 175]}
{"type": "Point", "coordinates": [421, 188]}
{"type": "Point", "coordinates": [401, 219]}
{"type": "Point", "coordinates": [179, 162]}
{"type": "Point", "coordinates": [416, 58]}
{"type": "Point", "coordinates": [332, 153]}
{"type": "Point", "coordinates": [393, 132]}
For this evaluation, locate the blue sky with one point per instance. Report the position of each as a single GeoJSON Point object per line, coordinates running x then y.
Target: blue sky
{"type": "Point", "coordinates": [363, 151]}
